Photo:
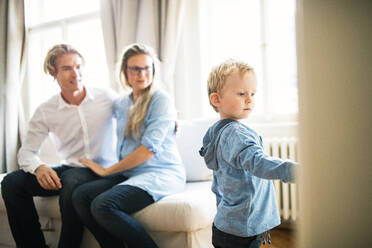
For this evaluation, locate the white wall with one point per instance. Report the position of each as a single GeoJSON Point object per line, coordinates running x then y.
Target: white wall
{"type": "Point", "coordinates": [335, 93]}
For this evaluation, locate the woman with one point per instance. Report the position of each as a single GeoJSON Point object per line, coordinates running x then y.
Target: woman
{"type": "Point", "coordinates": [149, 166]}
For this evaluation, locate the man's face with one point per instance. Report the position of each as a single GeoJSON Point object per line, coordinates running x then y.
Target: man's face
{"type": "Point", "coordinates": [69, 72]}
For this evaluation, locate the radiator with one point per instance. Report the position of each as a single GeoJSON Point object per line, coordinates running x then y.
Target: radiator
{"type": "Point", "coordinates": [286, 194]}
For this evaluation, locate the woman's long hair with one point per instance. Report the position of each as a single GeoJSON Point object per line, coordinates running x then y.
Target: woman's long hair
{"type": "Point", "coordinates": [138, 110]}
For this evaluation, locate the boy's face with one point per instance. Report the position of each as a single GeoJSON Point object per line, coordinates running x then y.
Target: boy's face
{"type": "Point", "coordinates": [236, 99]}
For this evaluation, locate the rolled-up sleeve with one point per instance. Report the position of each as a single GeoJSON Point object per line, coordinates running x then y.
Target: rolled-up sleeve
{"type": "Point", "coordinates": [159, 121]}
{"type": "Point", "coordinates": [28, 155]}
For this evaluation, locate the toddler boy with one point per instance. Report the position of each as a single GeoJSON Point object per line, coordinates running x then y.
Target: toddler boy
{"type": "Point", "coordinates": [246, 206]}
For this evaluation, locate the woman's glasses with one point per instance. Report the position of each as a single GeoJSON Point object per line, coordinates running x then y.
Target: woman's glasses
{"type": "Point", "coordinates": [136, 70]}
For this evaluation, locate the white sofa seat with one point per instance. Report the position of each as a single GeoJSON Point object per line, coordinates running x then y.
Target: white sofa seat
{"type": "Point", "coordinates": [176, 221]}
{"type": "Point", "coordinates": [183, 212]}
{"type": "Point", "coordinates": [185, 217]}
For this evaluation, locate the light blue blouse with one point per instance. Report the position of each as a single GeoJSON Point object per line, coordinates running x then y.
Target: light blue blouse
{"type": "Point", "coordinates": [164, 173]}
{"type": "Point", "coordinates": [245, 194]}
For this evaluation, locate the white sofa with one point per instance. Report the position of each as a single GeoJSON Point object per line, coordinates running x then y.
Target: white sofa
{"type": "Point", "coordinates": [176, 221]}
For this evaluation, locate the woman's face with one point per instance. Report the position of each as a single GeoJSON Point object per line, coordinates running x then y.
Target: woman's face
{"type": "Point", "coordinates": [139, 72]}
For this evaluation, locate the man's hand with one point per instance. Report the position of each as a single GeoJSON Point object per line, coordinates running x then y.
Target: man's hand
{"type": "Point", "coordinates": [47, 178]}
{"type": "Point", "coordinates": [96, 168]}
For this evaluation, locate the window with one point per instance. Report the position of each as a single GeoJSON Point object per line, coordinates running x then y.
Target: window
{"type": "Point", "coordinates": [261, 32]}
{"type": "Point", "coordinates": [50, 22]}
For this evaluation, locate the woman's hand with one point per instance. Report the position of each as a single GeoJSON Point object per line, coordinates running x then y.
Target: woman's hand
{"type": "Point", "coordinates": [96, 168]}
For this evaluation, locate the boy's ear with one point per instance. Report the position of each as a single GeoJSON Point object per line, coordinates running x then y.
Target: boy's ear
{"type": "Point", "coordinates": [215, 99]}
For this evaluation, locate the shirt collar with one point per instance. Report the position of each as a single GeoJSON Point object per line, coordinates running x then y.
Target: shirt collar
{"type": "Point", "coordinates": [63, 104]}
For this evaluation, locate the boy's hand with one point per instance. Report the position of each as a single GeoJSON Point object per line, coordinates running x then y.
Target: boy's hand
{"type": "Point", "coordinates": [96, 168]}
{"type": "Point", "coordinates": [47, 178]}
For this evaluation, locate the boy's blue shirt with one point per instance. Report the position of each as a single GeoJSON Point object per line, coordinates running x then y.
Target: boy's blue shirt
{"type": "Point", "coordinates": [245, 195]}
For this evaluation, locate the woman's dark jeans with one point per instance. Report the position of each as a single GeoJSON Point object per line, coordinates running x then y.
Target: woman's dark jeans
{"type": "Point", "coordinates": [18, 189]}
{"type": "Point", "coordinates": [224, 240]}
{"type": "Point", "coordinates": [105, 209]}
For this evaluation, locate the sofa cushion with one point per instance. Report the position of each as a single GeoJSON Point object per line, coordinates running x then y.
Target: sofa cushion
{"type": "Point", "coordinates": [189, 141]}
{"type": "Point", "coordinates": [187, 211]}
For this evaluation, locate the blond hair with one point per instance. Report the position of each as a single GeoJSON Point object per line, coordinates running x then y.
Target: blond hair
{"type": "Point", "coordinates": [138, 111]}
{"type": "Point", "coordinates": [53, 54]}
{"type": "Point", "coordinates": [217, 77]}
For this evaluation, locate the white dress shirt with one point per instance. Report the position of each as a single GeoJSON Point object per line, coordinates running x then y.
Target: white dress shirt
{"type": "Point", "coordinates": [83, 131]}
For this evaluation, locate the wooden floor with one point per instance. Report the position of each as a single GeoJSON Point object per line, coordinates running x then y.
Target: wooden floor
{"type": "Point", "coordinates": [282, 236]}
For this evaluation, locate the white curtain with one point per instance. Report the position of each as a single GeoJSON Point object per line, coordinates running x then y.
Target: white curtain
{"type": "Point", "coordinates": [157, 23]}
{"type": "Point", "coordinates": [12, 42]}
{"type": "Point", "coordinates": [190, 84]}
{"type": "Point", "coordinates": [171, 16]}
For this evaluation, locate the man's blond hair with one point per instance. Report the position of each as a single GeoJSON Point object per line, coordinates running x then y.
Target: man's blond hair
{"type": "Point", "coordinates": [217, 77]}
{"type": "Point", "coordinates": [53, 54]}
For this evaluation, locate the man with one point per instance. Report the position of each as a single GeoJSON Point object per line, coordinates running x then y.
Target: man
{"type": "Point", "coordinates": [80, 122]}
